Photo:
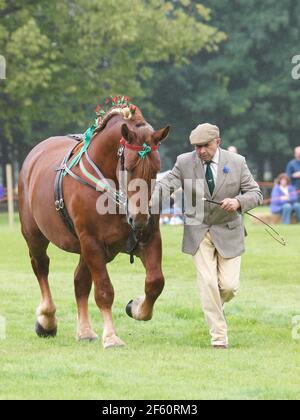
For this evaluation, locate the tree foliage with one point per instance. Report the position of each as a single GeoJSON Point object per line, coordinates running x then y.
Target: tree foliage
{"type": "Point", "coordinates": [64, 55]}
{"type": "Point", "coordinates": [246, 87]}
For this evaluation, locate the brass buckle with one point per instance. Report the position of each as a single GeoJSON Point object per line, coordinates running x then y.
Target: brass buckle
{"type": "Point", "coordinates": [59, 204]}
{"type": "Point", "coordinates": [121, 151]}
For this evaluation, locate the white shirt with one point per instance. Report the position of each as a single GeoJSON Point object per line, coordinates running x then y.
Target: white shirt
{"type": "Point", "coordinates": [214, 165]}
{"type": "Point", "coordinates": [285, 190]}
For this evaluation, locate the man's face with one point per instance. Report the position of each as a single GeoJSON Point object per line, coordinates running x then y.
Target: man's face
{"type": "Point", "coordinates": [297, 153]}
{"type": "Point", "coordinates": [207, 151]}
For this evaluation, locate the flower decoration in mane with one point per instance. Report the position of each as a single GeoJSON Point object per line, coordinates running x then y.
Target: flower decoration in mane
{"type": "Point", "coordinates": [114, 105]}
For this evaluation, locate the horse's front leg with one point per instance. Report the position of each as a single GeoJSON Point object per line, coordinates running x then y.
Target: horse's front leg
{"type": "Point", "coordinates": [141, 308]}
{"type": "Point", "coordinates": [103, 291]}
{"type": "Point", "coordinates": [83, 285]}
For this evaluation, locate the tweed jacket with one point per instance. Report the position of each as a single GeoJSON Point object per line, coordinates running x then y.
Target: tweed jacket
{"type": "Point", "coordinates": [234, 180]}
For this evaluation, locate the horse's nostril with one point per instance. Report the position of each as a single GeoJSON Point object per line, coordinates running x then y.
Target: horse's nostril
{"type": "Point", "coordinates": [137, 224]}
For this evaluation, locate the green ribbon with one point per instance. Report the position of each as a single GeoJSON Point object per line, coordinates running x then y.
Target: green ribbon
{"type": "Point", "coordinates": [143, 153]}
{"type": "Point", "coordinates": [87, 141]}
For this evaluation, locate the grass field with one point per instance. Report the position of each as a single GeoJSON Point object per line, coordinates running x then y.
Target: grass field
{"type": "Point", "coordinates": [168, 357]}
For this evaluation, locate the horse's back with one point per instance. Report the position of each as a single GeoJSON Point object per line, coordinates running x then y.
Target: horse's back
{"type": "Point", "coordinates": [36, 190]}
{"type": "Point", "coordinates": [48, 151]}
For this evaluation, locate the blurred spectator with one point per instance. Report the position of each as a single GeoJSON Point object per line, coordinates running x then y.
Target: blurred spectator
{"type": "Point", "coordinates": [171, 215]}
{"type": "Point", "coordinates": [2, 192]}
{"type": "Point", "coordinates": [284, 199]}
{"type": "Point", "coordinates": [293, 170]}
{"type": "Point", "coordinates": [232, 149]}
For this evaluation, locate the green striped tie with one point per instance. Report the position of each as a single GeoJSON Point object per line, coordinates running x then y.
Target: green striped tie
{"type": "Point", "coordinates": [210, 178]}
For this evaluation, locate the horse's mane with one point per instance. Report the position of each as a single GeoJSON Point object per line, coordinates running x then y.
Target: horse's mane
{"type": "Point", "coordinates": [116, 106]}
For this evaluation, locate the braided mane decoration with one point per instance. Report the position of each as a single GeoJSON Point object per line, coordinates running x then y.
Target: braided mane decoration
{"type": "Point", "coordinates": [118, 105]}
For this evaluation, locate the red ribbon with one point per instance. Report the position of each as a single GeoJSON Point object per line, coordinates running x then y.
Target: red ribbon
{"type": "Point", "coordinates": [135, 147]}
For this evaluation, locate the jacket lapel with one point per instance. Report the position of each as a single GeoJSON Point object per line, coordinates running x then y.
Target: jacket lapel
{"type": "Point", "coordinates": [221, 178]}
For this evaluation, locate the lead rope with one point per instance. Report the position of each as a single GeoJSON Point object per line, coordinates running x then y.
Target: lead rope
{"type": "Point", "coordinates": [278, 238]}
{"type": "Point", "coordinates": [122, 184]}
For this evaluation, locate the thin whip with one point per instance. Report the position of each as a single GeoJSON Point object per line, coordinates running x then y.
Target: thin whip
{"type": "Point", "coordinates": [277, 238]}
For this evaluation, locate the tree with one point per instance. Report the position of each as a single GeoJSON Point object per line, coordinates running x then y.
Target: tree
{"type": "Point", "coordinates": [64, 55]}
{"type": "Point", "coordinates": [246, 88]}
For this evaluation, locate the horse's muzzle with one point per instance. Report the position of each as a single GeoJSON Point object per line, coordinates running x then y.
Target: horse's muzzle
{"type": "Point", "coordinates": [138, 223]}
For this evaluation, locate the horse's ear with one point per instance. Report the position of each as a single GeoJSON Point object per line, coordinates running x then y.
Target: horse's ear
{"type": "Point", "coordinates": [127, 134]}
{"type": "Point", "coordinates": [161, 135]}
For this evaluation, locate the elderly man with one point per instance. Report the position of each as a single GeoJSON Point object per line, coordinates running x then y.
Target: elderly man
{"type": "Point", "coordinates": [293, 170]}
{"type": "Point", "coordinates": [217, 242]}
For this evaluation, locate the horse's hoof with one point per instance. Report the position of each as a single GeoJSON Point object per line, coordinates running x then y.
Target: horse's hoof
{"type": "Point", "coordinates": [41, 332]}
{"type": "Point", "coordinates": [112, 342]}
{"type": "Point", "coordinates": [88, 337]}
{"type": "Point", "coordinates": [129, 309]}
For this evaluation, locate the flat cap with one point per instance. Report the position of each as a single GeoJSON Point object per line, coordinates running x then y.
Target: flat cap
{"type": "Point", "coordinates": [204, 133]}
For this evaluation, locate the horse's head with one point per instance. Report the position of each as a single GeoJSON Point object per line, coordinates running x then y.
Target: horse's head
{"type": "Point", "coordinates": [141, 163]}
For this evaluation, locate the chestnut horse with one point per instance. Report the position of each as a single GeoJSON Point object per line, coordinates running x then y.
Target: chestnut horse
{"type": "Point", "coordinates": [97, 238]}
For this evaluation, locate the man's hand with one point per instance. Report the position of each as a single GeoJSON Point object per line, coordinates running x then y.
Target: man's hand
{"type": "Point", "coordinates": [231, 205]}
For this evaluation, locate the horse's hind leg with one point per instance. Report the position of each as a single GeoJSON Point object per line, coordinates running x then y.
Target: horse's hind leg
{"type": "Point", "coordinates": [83, 285]}
{"type": "Point", "coordinates": [46, 325]}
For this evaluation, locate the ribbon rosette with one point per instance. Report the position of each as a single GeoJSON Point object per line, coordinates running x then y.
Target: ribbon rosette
{"type": "Point", "coordinates": [143, 153]}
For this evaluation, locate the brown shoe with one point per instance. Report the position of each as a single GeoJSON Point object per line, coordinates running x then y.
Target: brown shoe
{"type": "Point", "coordinates": [220, 347]}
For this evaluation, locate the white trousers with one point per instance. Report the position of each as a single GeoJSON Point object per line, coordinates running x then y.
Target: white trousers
{"type": "Point", "coordinates": [218, 281]}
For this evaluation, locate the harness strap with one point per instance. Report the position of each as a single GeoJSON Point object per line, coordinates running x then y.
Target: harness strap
{"type": "Point", "coordinates": [94, 166]}
{"type": "Point", "coordinates": [59, 196]}
{"type": "Point", "coordinates": [78, 178]}
{"type": "Point", "coordinates": [96, 184]}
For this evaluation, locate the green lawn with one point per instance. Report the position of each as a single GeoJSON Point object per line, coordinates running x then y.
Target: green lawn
{"type": "Point", "coordinates": [168, 357]}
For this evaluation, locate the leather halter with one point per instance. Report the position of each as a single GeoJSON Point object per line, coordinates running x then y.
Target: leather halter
{"type": "Point", "coordinates": [141, 150]}
{"type": "Point", "coordinates": [136, 147]}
